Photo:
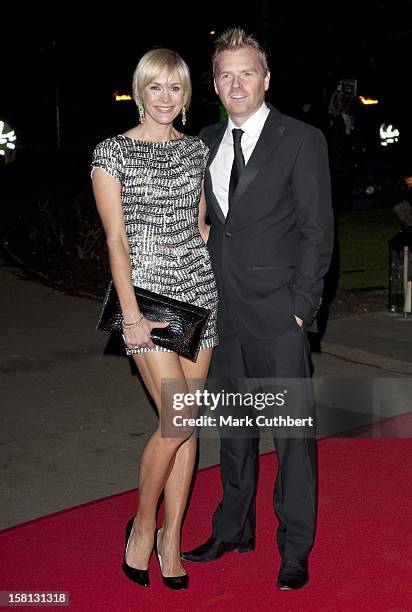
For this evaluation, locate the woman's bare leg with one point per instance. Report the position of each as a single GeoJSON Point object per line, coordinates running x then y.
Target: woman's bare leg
{"type": "Point", "coordinates": [158, 456]}
{"type": "Point", "coordinates": [177, 487]}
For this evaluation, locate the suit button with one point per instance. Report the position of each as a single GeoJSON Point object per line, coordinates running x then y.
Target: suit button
{"type": "Point", "coordinates": [228, 234]}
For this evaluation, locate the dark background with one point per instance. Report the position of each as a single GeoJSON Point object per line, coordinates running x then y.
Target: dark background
{"type": "Point", "coordinates": [72, 58]}
{"type": "Point", "coordinates": [85, 58]}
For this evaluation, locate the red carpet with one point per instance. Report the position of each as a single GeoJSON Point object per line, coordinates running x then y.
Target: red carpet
{"type": "Point", "coordinates": [399, 426]}
{"type": "Point", "coordinates": [361, 560]}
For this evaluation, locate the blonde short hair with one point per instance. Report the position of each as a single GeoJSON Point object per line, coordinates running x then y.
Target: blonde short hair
{"type": "Point", "coordinates": [152, 63]}
{"type": "Point", "coordinates": [234, 39]}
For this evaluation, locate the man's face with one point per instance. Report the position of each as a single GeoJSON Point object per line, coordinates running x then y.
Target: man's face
{"type": "Point", "coordinates": [240, 82]}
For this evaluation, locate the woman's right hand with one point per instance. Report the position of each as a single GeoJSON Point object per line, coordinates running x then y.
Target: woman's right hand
{"type": "Point", "coordinates": [139, 336]}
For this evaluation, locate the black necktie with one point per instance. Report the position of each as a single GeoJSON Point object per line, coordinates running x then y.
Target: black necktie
{"type": "Point", "coordinates": [238, 162]}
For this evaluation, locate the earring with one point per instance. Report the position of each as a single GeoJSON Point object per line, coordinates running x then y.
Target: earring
{"type": "Point", "coordinates": [183, 115]}
{"type": "Point", "coordinates": [141, 112]}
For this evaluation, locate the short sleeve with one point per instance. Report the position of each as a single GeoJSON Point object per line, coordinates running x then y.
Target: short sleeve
{"type": "Point", "coordinates": [108, 156]}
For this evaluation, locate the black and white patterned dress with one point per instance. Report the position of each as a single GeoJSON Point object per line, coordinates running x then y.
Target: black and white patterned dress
{"type": "Point", "coordinates": [161, 187]}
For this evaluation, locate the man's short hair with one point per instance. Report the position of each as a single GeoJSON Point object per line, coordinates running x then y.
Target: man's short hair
{"type": "Point", "coordinates": [236, 38]}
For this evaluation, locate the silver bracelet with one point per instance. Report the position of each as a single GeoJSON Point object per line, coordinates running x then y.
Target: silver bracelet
{"type": "Point", "coordinates": [134, 324]}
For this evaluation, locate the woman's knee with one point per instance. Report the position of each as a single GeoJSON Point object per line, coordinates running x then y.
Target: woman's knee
{"type": "Point", "coordinates": [174, 442]}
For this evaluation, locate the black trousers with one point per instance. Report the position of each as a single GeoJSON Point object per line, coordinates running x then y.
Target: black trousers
{"type": "Point", "coordinates": [242, 355]}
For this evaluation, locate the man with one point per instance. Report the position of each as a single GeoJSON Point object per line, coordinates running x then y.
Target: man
{"type": "Point", "coordinates": [268, 195]}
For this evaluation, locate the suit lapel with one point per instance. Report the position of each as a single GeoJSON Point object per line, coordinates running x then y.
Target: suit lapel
{"type": "Point", "coordinates": [266, 146]}
{"type": "Point", "coordinates": [210, 196]}
{"type": "Point", "coordinates": [214, 145]}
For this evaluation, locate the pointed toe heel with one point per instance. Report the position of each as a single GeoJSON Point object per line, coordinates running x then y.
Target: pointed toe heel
{"type": "Point", "coordinates": [177, 583]}
{"type": "Point", "coordinates": [136, 575]}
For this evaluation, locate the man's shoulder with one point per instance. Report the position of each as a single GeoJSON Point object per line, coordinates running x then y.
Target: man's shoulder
{"type": "Point", "coordinates": [209, 133]}
{"type": "Point", "coordinates": [298, 127]}
{"type": "Point", "coordinates": [293, 125]}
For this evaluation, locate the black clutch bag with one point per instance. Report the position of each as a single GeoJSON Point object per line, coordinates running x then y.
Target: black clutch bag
{"type": "Point", "coordinates": [187, 322]}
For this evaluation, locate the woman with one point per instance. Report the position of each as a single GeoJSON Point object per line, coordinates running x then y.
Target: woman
{"type": "Point", "coordinates": [148, 187]}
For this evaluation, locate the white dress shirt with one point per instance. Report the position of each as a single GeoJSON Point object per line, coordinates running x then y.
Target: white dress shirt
{"type": "Point", "coordinates": [221, 166]}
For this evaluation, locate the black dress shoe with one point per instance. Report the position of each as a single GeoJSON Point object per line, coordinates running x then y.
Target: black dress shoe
{"type": "Point", "coordinates": [293, 574]}
{"type": "Point", "coordinates": [178, 583]}
{"type": "Point", "coordinates": [214, 549]}
{"type": "Point", "coordinates": [138, 576]}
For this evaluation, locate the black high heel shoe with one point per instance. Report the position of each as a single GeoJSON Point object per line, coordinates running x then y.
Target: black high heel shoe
{"type": "Point", "coordinates": [138, 576]}
{"type": "Point", "coordinates": [178, 583]}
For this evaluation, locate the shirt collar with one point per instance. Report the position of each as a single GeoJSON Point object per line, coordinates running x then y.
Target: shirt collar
{"type": "Point", "coordinates": [253, 126]}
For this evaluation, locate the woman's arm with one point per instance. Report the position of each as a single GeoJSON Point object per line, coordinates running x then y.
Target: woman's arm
{"type": "Point", "coordinates": [203, 227]}
{"type": "Point", "coordinates": [107, 193]}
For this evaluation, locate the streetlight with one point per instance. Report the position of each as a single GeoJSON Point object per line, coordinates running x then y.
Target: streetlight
{"type": "Point", "coordinates": [7, 142]}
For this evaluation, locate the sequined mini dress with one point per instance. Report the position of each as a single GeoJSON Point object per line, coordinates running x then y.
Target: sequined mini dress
{"type": "Point", "coordinates": [161, 188]}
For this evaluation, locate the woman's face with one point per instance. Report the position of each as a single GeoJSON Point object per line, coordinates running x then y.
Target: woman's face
{"type": "Point", "coordinates": [163, 97]}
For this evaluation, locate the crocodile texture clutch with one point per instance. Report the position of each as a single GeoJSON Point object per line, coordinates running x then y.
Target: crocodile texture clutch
{"type": "Point", "coordinates": [187, 322]}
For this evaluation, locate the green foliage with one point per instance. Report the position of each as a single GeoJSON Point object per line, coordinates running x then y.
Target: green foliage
{"type": "Point", "coordinates": [51, 214]}
{"type": "Point", "coordinates": [363, 247]}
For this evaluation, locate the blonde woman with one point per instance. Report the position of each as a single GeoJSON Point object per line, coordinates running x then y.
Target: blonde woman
{"type": "Point", "coordinates": [148, 187]}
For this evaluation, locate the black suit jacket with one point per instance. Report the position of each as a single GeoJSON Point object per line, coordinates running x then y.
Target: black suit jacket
{"type": "Point", "coordinates": [273, 249]}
